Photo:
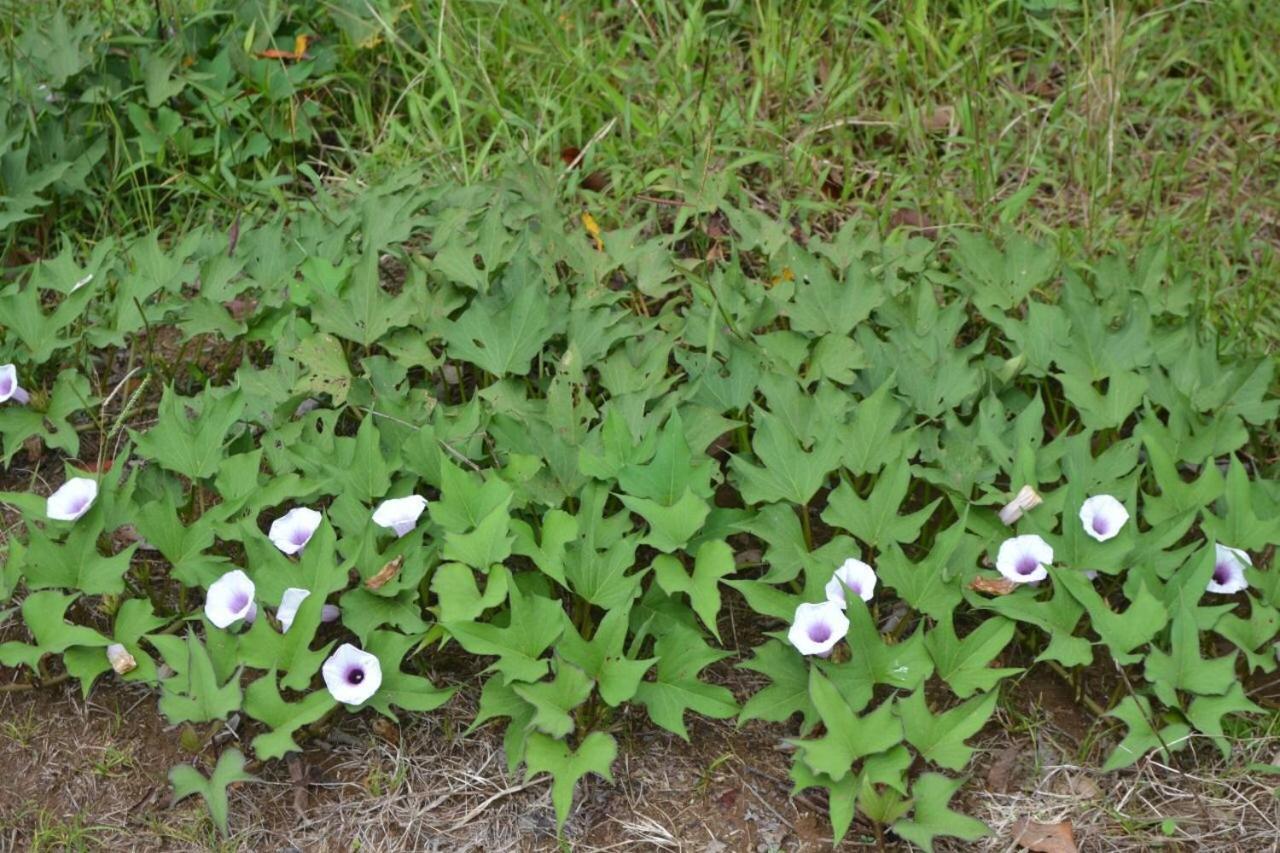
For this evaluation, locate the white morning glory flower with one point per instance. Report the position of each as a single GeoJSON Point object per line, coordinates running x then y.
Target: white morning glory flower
{"type": "Point", "coordinates": [1022, 559]}
{"type": "Point", "coordinates": [292, 600]}
{"type": "Point", "coordinates": [1103, 516]}
{"type": "Point", "coordinates": [9, 388]}
{"type": "Point", "coordinates": [72, 500]}
{"type": "Point", "coordinates": [291, 531]}
{"type": "Point", "coordinates": [230, 598]}
{"type": "Point", "coordinates": [1228, 570]}
{"type": "Point", "coordinates": [400, 514]}
{"type": "Point", "coordinates": [352, 675]}
{"type": "Point", "coordinates": [818, 627]}
{"type": "Point", "coordinates": [853, 576]}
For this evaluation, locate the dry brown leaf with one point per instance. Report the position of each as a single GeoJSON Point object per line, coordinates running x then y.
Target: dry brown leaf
{"type": "Point", "coordinates": [1001, 773]}
{"type": "Point", "coordinates": [992, 586]}
{"type": "Point", "coordinates": [385, 574]}
{"type": "Point", "coordinates": [915, 220]}
{"type": "Point", "coordinates": [939, 121]}
{"type": "Point", "coordinates": [386, 730]}
{"type": "Point", "coordinates": [1044, 837]}
{"type": "Point", "coordinates": [593, 181]}
{"type": "Point", "coordinates": [298, 53]}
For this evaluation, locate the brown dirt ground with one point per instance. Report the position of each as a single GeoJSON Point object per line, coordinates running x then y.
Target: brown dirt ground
{"type": "Point", "coordinates": [92, 775]}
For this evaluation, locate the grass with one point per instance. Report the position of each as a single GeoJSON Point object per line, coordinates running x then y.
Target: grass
{"type": "Point", "coordinates": [1084, 123]}
{"type": "Point", "coordinates": [1093, 127]}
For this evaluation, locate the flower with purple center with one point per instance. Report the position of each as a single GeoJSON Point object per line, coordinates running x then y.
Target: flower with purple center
{"type": "Point", "coordinates": [1228, 570]}
{"type": "Point", "coordinates": [400, 514]}
{"type": "Point", "coordinates": [1022, 559]}
{"type": "Point", "coordinates": [72, 500]}
{"type": "Point", "coordinates": [352, 675]}
{"type": "Point", "coordinates": [292, 600]}
{"type": "Point", "coordinates": [1103, 516]}
{"type": "Point", "coordinates": [853, 576]}
{"type": "Point", "coordinates": [230, 598]}
{"type": "Point", "coordinates": [816, 628]}
{"type": "Point", "coordinates": [293, 530]}
{"type": "Point", "coordinates": [9, 387]}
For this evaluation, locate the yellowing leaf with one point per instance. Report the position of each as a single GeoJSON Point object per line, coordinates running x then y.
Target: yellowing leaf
{"type": "Point", "coordinates": [593, 228]}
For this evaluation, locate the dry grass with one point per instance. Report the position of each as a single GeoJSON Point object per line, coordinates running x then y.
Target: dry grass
{"type": "Point", "coordinates": [91, 775]}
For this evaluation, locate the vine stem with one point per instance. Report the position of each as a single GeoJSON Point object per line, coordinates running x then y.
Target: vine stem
{"type": "Point", "coordinates": [808, 527]}
{"type": "Point", "coordinates": [1084, 697]}
{"type": "Point", "coordinates": [20, 686]}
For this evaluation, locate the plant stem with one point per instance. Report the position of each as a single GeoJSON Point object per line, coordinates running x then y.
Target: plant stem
{"type": "Point", "coordinates": [808, 527]}
{"type": "Point", "coordinates": [19, 686]}
{"type": "Point", "coordinates": [1083, 697]}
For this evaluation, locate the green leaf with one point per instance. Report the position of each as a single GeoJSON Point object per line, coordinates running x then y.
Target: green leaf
{"type": "Point", "coordinates": [617, 676]}
{"type": "Point", "coordinates": [71, 393]}
{"type": "Point", "coordinates": [327, 371]}
{"type": "Point", "coordinates": [502, 336]}
{"type": "Point", "coordinates": [1254, 635]}
{"type": "Point", "coordinates": [931, 586]}
{"type": "Point", "coordinates": [932, 818]}
{"type": "Point", "coordinates": [714, 561]}
{"type": "Point", "coordinates": [1135, 712]}
{"type": "Point", "coordinates": [460, 600]}
{"type": "Point", "coordinates": [841, 795]}
{"type": "Point", "coordinates": [321, 574]}
{"type": "Point", "coordinates": [1241, 526]}
{"type": "Point", "coordinates": [75, 563]}
{"type": "Point", "coordinates": [487, 544]}
{"type": "Point", "coordinates": [1104, 411]}
{"type": "Point", "coordinates": [849, 737]}
{"type": "Point", "coordinates": [45, 616]}
{"type": "Point", "coordinates": [1058, 617]}
{"type": "Point", "coordinates": [190, 446]}
{"type": "Point", "coordinates": [1176, 494]}
{"type": "Point", "coordinates": [363, 611]}
{"type": "Point", "coordinates": [263, 702]}
{"type": "Point", "coordinates": [788, 692]}
{"type": "Point", "coordinates": [554, 700]}
{"type": "Point", "coordinates": [870, 440]}
{"type": "Point", "coordinates": [364, 312]}
{"type": "Point", "coordinates": [186, 780]}
{"type": "Point", "coordinates": [1206, 713]}
{"type": "Point", "coordinates": [536, 623]}
{"type": "Point", "coordinates": [790, 473]}
{"type": "Point", "coordinates": [1122, 632]}
{"type": "Point", "coordinates": [682, 654]}
{"type": "Point", "coordinates": [548, 755]}
{"type": "Point", "coordinates": [558, 530]}
{"type": "Point", "coordinates": [184, 547]}
{"type": "Point", "coordinates": [904, 664]}
{"type": "Point", "coordinates": [194, 695]}
{"type": "Point", "coordinates": [964, 664]}
{"type": "Point", "coordinates": [399, 688]}
{"type": "Point", "coordinates": [672, 474]}
{"type": "Point", "coordinates": [941, 738]}
{"type": "Point", "coordinates": [876, 520]}
{"type": "Point", "coordinates": [134, 619]}
{"type": "Point", "coordinates": [670, 527]}
{"type": "Point", "coordinates": [1182, 667]}
{"type": "Point", "coordinates": [824, 305]}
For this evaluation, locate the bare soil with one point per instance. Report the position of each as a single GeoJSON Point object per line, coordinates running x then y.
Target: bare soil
{"type": "Point", "coordinates": [91, 774]}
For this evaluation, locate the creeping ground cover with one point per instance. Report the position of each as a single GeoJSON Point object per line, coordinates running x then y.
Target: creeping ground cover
{"type": "Point", "coordinates": [432, 419]}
